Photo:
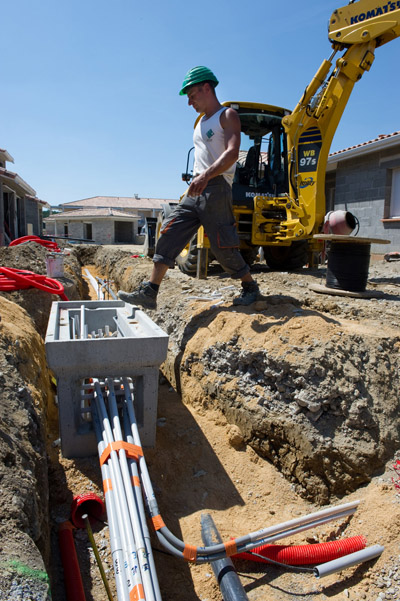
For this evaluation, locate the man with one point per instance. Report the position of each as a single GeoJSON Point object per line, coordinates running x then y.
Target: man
{"type": "Point", "coordinates": [208, 201]}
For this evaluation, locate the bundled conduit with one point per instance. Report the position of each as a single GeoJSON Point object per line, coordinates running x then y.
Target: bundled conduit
{"type": "Point", "coordinates": [53, 246]}
{"type": "Point", "coordinates": [129, 498]}
{"type": "Point", "coordinates": [20, 279]}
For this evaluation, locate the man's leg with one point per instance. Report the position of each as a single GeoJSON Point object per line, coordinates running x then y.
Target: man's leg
{"type": "Point", "coordinates": [176, 231]}
{"type": "Point", "coordinates": [250, 292]}
{"type": "Point", "coordinates": [219, 223]}
{"type": "Point", "coordinates": [157, 273]}
{"type": "Point", "coordinates": [146, 294]}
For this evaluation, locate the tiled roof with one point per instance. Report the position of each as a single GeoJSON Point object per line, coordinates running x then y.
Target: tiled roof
{"type": "Point", "coordinates": [90, 213]}
{"type": "Point", "coordinates": [6, 155]}
{"type": "Point", "coordinates": [380, 139]}
{"type": "Point", "coordinates": [122, 202]}
{"type": "Point", "coordinates": [17, 179]}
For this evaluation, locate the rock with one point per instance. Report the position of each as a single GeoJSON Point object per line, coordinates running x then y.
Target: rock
{"type": "Point", "coordinates": [235, 436]}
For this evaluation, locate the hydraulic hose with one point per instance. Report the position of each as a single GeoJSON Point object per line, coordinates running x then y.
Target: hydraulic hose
{"type": "Point", "coordinates": [19, 279]}
{"type": "Point", "coordinates": [297, 555]}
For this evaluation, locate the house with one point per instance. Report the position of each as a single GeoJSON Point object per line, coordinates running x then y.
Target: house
{"type": "Point", "coordinates": [20, 209]}
{"type": "Point", "coordinates": [104, 219]}
{"type": "Point", "coordinates": [365, 180]}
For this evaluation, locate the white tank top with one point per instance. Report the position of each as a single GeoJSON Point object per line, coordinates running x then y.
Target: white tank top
{"type": "Point", "coordinates": [209, 144]}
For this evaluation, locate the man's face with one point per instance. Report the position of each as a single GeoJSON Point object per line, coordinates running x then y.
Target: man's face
{"type": "Point", "coordinates": [197, 97]}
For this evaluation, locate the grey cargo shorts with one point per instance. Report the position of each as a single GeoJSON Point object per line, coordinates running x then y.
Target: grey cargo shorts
{"type": "Point", "coordinates": [213, 210]}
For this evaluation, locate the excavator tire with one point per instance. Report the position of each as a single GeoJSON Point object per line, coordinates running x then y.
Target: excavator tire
{"type": "Point", "coordinates": [287, 258]}
{"type": "Point", "coordinates": [187, 260]}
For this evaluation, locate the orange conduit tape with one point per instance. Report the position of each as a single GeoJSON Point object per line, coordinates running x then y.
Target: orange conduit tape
{"type": "Point", "coordinates": [190, 553]}
{"type": "Point", "coordinates": [107, 485]}
{"type": "Point", "coordinates": [230, 548]}
{"type": "Point", "coordinates": [135, 481]}
{"type": "Point", "coordinates": [137, 593]}
{"type": "Point", "coordinates": [157, 522]}
{"type": "Point", "coordinates": [132, 450]}
{"type": "Point", "coordinates": [19, 279]}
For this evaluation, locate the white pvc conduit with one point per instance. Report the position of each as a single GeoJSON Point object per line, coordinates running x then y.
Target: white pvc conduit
{"type": "Point", "coordinates": [126, 482]}
{"type": "Point", "coordinates": [127, 533]}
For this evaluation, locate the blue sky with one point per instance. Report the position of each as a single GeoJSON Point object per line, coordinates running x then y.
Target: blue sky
{"type": "Point", "coordinates": [89, 97]}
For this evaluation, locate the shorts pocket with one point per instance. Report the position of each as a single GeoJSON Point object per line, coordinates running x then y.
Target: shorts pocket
{"type": "Point", "coordinates": [227, 236]}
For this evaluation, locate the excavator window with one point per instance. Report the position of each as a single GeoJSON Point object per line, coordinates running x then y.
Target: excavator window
{"type": "Point", "coordinates": [261, 164]}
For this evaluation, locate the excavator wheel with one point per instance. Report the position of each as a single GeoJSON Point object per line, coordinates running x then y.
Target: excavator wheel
{"type": "Point", "coordinates": [287, 258]}
{"type": "Point", "coordinates": [187, 260]}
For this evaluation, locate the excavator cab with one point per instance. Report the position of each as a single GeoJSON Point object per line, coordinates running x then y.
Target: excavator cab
{"type": "Point", "coordinates": [262, 164]}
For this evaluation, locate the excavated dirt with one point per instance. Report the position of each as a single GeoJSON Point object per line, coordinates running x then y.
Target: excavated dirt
{"type": "Point", "coordinates": [266, 413]}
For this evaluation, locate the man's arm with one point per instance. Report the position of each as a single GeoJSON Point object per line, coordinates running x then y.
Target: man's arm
{"type": "Point", "coordinates": [230, 123]}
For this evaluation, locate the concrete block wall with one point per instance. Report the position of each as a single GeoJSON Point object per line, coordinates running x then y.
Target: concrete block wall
{"type": "Point", "coordinates": [103, 231]}
{"type": "Point", "coordinates": [361, 187]}
{"type": "Point", "coordinates": [33, 216]}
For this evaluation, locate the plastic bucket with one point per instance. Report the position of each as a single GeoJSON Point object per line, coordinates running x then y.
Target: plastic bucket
{"type": "Point", "coordinates": [89, 504]}
{"type": "Point", "coordinates": [55, 265]}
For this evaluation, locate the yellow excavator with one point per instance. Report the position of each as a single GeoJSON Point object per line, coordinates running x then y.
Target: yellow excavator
{"type": "Point", "coordinates": [279, 186]}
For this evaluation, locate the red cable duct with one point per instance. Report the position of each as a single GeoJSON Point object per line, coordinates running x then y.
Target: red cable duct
{"type": "Point", "coordinates": [19, 279]}
{"type": "Point", "coordinates": [72, 575]}
{"type": "Point", "coordinates": [47, 243]}
{"type": "Point", "coordinates": [297, 555]}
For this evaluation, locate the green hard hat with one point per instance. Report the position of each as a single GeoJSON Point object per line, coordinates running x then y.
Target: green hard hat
{"type": "Point", "coordinates": [197, 75]}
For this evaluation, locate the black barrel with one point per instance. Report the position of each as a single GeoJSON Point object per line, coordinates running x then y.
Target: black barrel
{"type": "Point", "coordinates": [348, 265]}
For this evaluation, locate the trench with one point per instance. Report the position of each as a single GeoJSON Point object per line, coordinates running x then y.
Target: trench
{"type": "Point", "coordinates": [213, 374]}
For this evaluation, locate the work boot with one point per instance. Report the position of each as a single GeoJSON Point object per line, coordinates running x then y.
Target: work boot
{"type": "Point", "coordinates": [145, 296]}
{"type": "Point", "coordinates": [250, 294]}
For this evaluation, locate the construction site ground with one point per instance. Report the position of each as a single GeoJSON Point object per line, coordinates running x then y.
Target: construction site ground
{"type": "Point", "coordinates": [266, 413]}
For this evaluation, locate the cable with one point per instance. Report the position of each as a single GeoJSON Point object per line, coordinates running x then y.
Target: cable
{"type": "Point", "coordinates": [282, 565]}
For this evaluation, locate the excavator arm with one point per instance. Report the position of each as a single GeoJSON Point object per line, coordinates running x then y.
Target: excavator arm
{"type": "Point", "coordinates": [354, 31]}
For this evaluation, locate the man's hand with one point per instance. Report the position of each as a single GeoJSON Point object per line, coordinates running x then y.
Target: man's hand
{"type": "Point", "coordinates": [198, 185]}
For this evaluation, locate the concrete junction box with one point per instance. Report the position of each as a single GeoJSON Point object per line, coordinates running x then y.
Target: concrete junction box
{"type": "Point", "coordinates": [100, 339]}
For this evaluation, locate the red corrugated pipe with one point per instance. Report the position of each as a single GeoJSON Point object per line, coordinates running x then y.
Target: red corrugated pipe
{"type": "Point", "coordinates": [46, 243]}
{"type": "Point", "coordinates": [19, 279]}
{"type": "Point", "coordinates": [297, 555]}
{"type": "Point", "coordinates": [72, 575]}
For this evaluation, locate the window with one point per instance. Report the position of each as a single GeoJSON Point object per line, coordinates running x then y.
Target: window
{"type": "Point", "coordinates": [66, 230]}
{"type": "Point", "coordinates": [395, 197]}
